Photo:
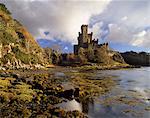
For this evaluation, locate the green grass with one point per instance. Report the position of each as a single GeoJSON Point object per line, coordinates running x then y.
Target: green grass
{"type": "Point", "coordinates": [2, 26]}
{"type": "Point", "coordinates": [7, 57]}
{"type": "Point", "coordinates": [6, 38]}
{"type": "Point", "coordinates": [21, 91]}
{"type": "Point", "coordinates": [25, 58]}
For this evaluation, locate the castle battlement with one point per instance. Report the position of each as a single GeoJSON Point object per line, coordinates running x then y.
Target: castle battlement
{"type": "Point", "coordinates": [85, 40]}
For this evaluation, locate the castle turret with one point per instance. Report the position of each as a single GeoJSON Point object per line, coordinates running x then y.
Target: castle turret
{"type": "Point", "coordinates": [85, 39]}
{"type": "Point", "coordinates": [84, 29]}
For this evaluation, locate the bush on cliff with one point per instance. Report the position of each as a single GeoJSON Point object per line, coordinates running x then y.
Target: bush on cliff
{"type": "Point", "coordinates": [20, 55]}
{"type": "Point", "coordinates": [7, 57]}
{"type": "Point", "coordinates": [3, 8]}
{"type": "Point", "coordinates": [6, 38]}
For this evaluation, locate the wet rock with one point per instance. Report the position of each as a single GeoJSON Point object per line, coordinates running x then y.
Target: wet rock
{"type": "Point", "coordinates": [67, 94]}
{"type": "Point", "coordinates": [76, 92]}
{"type": "Point", "coordinates": [36, 85]}
{"type": "Point", "coordinates": [147, 108]}
{"type": "Point", "coordinates": [17, 76]}
{"type": "Point", "coordinates": [4, 74]}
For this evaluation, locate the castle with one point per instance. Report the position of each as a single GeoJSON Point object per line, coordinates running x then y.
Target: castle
{"type": "Point", "coordinates": [85, 40]}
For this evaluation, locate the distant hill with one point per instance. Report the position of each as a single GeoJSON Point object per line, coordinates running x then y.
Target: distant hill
{"type": "Point", "coordinates": [17, 46]}
{"type": "Point", "coordinates": [134, 58]}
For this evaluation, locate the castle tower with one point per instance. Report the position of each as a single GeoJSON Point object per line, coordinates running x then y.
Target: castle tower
{"type": "Point", "coordinates": [84, 30]}
{"type": "Point", "coordinates": [84, 38]}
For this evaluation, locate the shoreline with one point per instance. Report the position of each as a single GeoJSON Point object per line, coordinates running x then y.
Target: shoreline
{"type": "Point", "coordinates": [89, 66]}
{"type": "Point", "coordinates": [118, 67]}
{"type": "Point", "coordinates": [102, 67]}
{"type": "Point", "coordinates": [84, 67]}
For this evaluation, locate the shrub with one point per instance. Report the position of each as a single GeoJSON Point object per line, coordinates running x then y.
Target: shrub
{"type": "Point", "coordinates": [3, 8]}
{"type": "Point", "coordinates": [4, 82]}
{"type": "Point", "coordinates": [2, 26]}
{"type": "Point", "coordinates": [25, 58]}
{"type": "Point", "coordinates": [21, 39]}
{"type": "Point", "coordinates": [48, 53]}
{"type": "Point", "coordinates": [6, 58]}
{"type": "Point", "coordinates": [6, 38]}
{"type": "Point", "coordinates": [34, 59]}
{"type": "Point", "coordinates": [21, 55]}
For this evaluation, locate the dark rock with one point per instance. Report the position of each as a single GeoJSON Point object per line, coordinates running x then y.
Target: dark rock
{"type": "Point", "coordinates": [67, 94]}
{"type": "Point", "coordinates": [76, 92]}
{"type": "Point", "coordinates": [37, 86]}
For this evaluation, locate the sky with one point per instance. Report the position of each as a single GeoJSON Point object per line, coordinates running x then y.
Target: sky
{"type": "Point", "coordinates": [124, 24]}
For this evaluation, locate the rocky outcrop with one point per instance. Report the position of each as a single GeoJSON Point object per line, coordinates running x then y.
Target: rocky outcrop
{"type": "Point", "coordinates": [134, 58]}
{"type": "Point", "coordinates": [116, 56]}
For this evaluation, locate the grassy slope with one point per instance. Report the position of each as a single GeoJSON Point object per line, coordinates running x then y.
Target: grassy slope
{"type": "Point", "coordinates": [11, 31]}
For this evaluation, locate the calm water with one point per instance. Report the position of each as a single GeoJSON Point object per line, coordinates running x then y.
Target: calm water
{"type": "Point", "coordinates": [130, 98]}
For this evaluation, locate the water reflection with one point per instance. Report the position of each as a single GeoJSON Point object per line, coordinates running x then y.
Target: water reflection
{"type": "Point", "coordinates": [59, 74]}
{"type": "Point", "coordinates": [86, 103]}
{"type": "Point", "coordinates": [71, 105]}
{"type": "Point", "coordinates": [128, 99]}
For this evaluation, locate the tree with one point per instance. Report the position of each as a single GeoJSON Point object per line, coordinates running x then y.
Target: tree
{"type": "Point", "coordinates": [56, 54]}
{"type": "Point", "coordinates": [55, 57]}
{"type": "Point", "coordinates": [48, 52]}
{"type": "Point", "coordinates": [57, 48]}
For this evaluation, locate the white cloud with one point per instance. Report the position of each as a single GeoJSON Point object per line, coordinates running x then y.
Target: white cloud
{"type": "Point", "coordinates": [126, 22]}
{"type": "Point", "coordinates": [141, 34]}
{"type": "Point", "coordinates": [62, 19]}
{"type": "Point", "coordinates": [124, 18]}
{"type": "Point", "coordinates": [96, 29]}
{"type": "Point", "coordinates": [137, 42]}
{"type": "Point", "coordinates": [141, 39]}
{"type": "Point", "coordinates": [119, 34]}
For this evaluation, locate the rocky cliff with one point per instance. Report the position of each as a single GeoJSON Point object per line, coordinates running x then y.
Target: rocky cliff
{"type": "Point", "coordinates": [107, 56]}
{"type": "Point", "coordinates": [17, 46]}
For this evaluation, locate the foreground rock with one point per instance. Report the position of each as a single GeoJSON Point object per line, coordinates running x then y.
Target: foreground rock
{"type": "Point", "coordinates": [36, 93]}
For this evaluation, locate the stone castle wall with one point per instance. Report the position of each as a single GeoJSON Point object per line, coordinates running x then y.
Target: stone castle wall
{"type": "Point", "coordinates": [85, 40]}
